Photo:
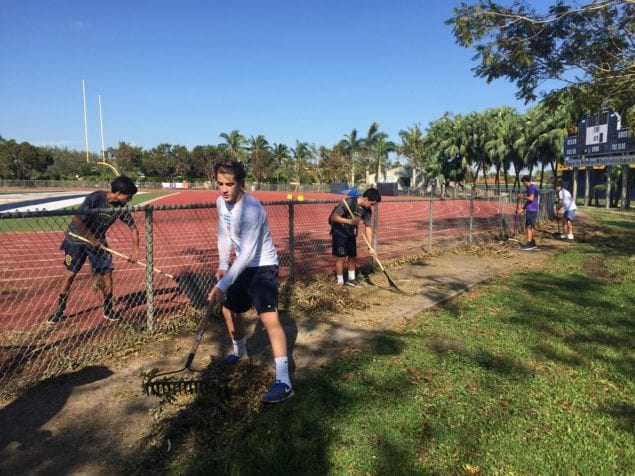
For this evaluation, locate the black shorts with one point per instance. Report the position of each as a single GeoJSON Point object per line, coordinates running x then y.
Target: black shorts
{"type": "Point", "coordinates": [344, 244]}
{"type": "Point", "coordinates": [531, 218]}
{"type": "Point", "coordinates": [255, 286]}
{"type": "Point", "coordinates": [75, 255]}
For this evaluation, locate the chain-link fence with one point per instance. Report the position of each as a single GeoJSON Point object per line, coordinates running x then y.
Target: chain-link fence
{"type": "Point", "coordinates": [178, 258]}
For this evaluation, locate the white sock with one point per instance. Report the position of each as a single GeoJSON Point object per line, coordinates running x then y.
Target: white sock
{"type": "Point", "coordinates": [340, 279]}
{"type": "Point", "coordinates": [240, 347]}
{"type": "Point", "coordinates": [351, 275]}
{"type": "Point", "coordinates": [282, 370]}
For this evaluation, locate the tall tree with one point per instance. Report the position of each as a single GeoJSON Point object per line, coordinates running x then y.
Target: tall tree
{"type": "Point", "coordinates": [412, 147]}
{"type": "Point", "coordinates": [504, 131]}
{"type": "Point", "coordinates": [352, 144]}
{"type": "Point", "coordinates": [167, 161]}
{"type": "Point", "coordinates": [260, 163]}
{"type": "Point", "coordinates": [281, 156]}
{"type": "Point", "coordinates": [127, 157]}
{"type": "Point", "coordinates": [589, 46]}
{"type": "Point", "coordinates": [234, 144]}
{"type": "Point", "coordinates": [23, 161]}
{"type": "Point", "coordinates": [203, 159]}
{"type": "Point", "coordinates": [300, 154]}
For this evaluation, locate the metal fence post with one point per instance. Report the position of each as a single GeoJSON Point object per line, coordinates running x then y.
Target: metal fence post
{"type": "Point", "coordinates": [149, 267]}
{"type": "Point", "coordinates": [291, 241]}
{"type": "Point", "coordinates": [430, 225]}
{"type": "Point", "coordinates": [469, 236]}
{"type": "Point", "coordinates": [502, 212]}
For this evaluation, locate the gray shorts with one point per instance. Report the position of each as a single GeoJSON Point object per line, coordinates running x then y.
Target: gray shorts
{"type": "Point", "coordinates": [569, 215]}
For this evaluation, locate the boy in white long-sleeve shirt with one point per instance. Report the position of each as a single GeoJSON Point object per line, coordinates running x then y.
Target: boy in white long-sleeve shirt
{"type": "Point", "coordinates": [252, 279]}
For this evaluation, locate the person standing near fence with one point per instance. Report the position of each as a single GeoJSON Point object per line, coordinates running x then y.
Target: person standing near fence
{"type": "Point", "coordinates": [252, 278]}
{"type": "Point", "coordinates": [566, 203]}
{"type": "Point", "coordinates": [92, 226]}
{"type": "Point", "coordinates": [531, 212]}
{"type": "Point", "coordinates": [344, 233]}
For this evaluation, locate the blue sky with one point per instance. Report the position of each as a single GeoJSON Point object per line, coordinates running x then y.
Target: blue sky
{"type": "Point", "coordinates": [182, 72]}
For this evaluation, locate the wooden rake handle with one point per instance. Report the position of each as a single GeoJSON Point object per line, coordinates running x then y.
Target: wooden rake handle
{"type": "Point", "coordinates": [372, 250]}
{"type": "Point", "coordinates": [121, 255]}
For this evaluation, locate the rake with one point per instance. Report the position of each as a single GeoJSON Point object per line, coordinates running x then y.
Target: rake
{"type": "Point", "coordinates": [188, 283]}
{"type": "Point", "coordinates": [171, 383]}
{"type": "Point", "coordinates": [381, 266]}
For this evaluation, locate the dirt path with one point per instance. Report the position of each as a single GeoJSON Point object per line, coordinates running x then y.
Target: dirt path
{"type": "Point", "coordinates": [92, 420]}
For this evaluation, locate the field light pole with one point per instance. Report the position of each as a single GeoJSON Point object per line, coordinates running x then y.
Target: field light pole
{"type": "Point", "coordinates": [85, 119]}
{"type": "Point", "coordinates": [101, 126]}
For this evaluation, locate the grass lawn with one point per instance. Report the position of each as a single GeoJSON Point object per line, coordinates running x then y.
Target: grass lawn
{"type": "Point", "coordinates": [529, 374]}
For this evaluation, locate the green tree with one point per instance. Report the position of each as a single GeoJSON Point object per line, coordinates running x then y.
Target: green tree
{"type": "Point", "coordinates": [589, 47]}
{"type": "Point", "coordinates": [70, 164]}
{"type": "Point", "coordinates": [504, 132]}
{"type": "Point", "coordinates": [234, 144]}
{"type": "Point", "coordinates": [333, 163]}
{"type": "Point", "coordinates": [203, 159]}
{"type": "Point", "coordinates": [23, 161]}
{"type": "Point", "coordinates": [300, 154]}
{"type": "Point", "coordinates": [167, 161]}
{"type": "Point", "coordinates": [281, 156]}
{"type": "Point", "coordinates": [412, 147]}
{"type": "Point", "coordinates": [127, 157]}
{"type": "Point", "coordinates": [260, 162]}
{"type": "Point", "coordinates": [352, 144]}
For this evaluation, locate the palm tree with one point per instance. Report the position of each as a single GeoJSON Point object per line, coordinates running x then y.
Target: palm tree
{"type": "Point", "coordinates": [352, 144]}
{"type": "Point", "coordinates": [259, 157]}
{"type": "Point", "coordinates": [412, 148]}
{"type": "Point", "coordinates": [234, 143]}
{"type": "Point", "coordinates": [300, 155]}
{"type": "Point", "coordinates": [382, 148]}
{"type": "Point", "coordinates": [281, 157]}
{"type": "Point", "coordinates": [369, 145]}
{"type": "Point", "coordinates": [504, 131]}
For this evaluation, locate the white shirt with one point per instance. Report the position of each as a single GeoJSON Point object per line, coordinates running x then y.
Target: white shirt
{"type": "Point", "coordinates": [566, 200]}
{"type": "Point", "coordinates": [244, 226]}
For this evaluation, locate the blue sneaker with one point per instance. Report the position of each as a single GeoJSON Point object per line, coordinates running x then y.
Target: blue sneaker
{"type": "Point", "coordinates": [231, 359]}
{"type": "Point", "coordinates": [277, 393]}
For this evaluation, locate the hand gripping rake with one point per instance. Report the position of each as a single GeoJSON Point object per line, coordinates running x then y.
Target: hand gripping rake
{"type": "Point", "coordinates": [390, 281]}
{"type": "Point", "coordinates": [187, 282]}
{"type": "Point", "coordinates": [168, 383]}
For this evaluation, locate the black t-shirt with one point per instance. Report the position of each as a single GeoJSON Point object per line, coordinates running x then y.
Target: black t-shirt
{"type": "Point", "coordinates": [363, 213]}
{"type": "Point", "coordinates": [98, 222]}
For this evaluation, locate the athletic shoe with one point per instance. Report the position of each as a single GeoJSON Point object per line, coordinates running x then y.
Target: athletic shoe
{"type": "Point", "coordinates": [55, 318]}
{"type": "Point", "coordinates": [277, 393]}
{"type": "Point", "coordinates": [354, 283]}
{"type": "Point", "coordinates": [109, 315]}
{"type": "Point", "coordinates": [563, 236]}
{"type": "Point", "coordinates": [569, 237]}
{"type": "Point", "coordinates": [529, 246]}
{"type": "Point", "coordinates": [231, 359]}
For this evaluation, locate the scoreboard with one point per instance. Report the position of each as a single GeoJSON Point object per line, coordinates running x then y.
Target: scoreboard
{"type": "Point", "coordinates": [600, 141]}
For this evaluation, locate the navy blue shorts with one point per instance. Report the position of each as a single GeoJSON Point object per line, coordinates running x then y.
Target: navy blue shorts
{"type": "Point", "coordinates": [344, 245]}
{"type": "Point", "coordinates": [255, 286]}
{"type": "Point", "coordinates": [531, 218]}
{"type": "Point", "coordinates": [75, 255]}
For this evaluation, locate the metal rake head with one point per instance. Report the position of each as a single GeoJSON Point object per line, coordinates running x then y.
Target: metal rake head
{"type": "Point", "coordinates": [161, 388]}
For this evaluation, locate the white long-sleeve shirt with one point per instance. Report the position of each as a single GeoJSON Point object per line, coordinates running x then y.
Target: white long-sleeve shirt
{"type": "Point", "coordinates": [244, 226]}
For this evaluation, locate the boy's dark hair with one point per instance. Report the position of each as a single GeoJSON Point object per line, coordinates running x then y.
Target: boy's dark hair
{"type": "Point", "coordinates": [373, 195]}
{"type": "Point", "coordinates": [525, 178]}
{"type": "Point", "coordinates": [123, 184]}
{"type": "Point", "coordinates": [558, 183]}
{"type": "Point", "coordinates": [231, 167]}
